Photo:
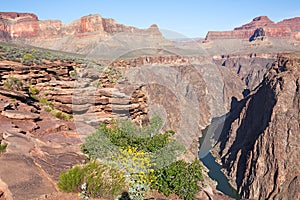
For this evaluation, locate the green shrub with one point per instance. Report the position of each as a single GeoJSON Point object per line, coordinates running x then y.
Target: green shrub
{"type": "Point", "coordinates": [70, 181]}
{"type": "Point", "coordinates": [28, 57]}
{"type": "Point", "coordinates": [33, 90]}
{"type": "Point", "coordinates": [179, 178]}
{"type": "Point", "coordinates": [73, 73]}
{"type": "Point", "coordinates": [101, 180]}
{"type": "Point", "coordinates": [48, 109]}
{"type": "Point", "coordinates": [3, 147]}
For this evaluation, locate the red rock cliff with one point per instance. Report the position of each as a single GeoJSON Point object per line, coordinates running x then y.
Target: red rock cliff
{"type": "Point", "coordinates": [78, 36]}
{"type": "Point", "coordinates": [26, 25]}
{"type": "Point", "coordinates": [287, 29]}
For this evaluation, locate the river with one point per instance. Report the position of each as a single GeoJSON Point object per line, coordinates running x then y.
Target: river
{"type": "Point", "coordinates": [210, 136]}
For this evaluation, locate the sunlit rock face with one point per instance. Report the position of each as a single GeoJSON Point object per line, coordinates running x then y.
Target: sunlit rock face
{"type": "Point", "coordinates": [288, 29]}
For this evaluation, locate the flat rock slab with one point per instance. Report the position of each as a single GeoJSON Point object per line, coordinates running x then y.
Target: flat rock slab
{"type": "Point", "coordinates": [24, 179]}
{"type": "Point", "coordinates": [30, 167]}
{"type": "Point", "coordinates": [15, 114]}
{"type": "Point", "coordinates": [11, 93]}
{"type": "Point", "coordinates": [56, 160]}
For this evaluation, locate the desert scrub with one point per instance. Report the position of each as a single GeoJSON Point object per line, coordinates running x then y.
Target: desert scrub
{"type": "Point", "coordinates": [60, 114]}
{"type": "Point", "coordinates": [28, 59]}
{"type": "Point", "coordinates": [33, 91]}
{"type": "Point", "coordinates": [73, 73]}
{"type": "Point", "coordinates": [45, 102]}
{"type": "Point", "coordinates": [54, 112]}
{"type": "Point", "coordinates": [112, 74]}
{"type": "Point", "coordinates": [2, 148]}
{"type": "Point", "coordinates": [13, 83]}
{"type": "Point", "coordinates": [101, 181]}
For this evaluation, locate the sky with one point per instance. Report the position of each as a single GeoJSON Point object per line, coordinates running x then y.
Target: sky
{"type": "Point", "coordinates": [188, 18]}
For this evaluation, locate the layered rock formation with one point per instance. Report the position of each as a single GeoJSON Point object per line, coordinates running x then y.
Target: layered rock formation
{"type": "Point", "coordinates": [259, 146]}
{"type": "Point", "coordinates": [79, 36]}
{"type": "Point", "coordinates": [27, 25]}
{"type": "Point", "coordinates": [249, 67]}
{"type": "Point", "coordinates": [41, 144]}
{"type": "Point", "coordinates": [286, 29]}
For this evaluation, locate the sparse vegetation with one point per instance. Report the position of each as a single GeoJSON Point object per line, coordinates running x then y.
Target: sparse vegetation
{"type": "Point", "coordinates": [29, 56]}
{"type": "Point", "coordinates": [33, 91]}
{"type": "Point", "coordinates": [60, 114]}
{"type": "Point", "coordinates": [13, 83]}
{"type": "Point", "coordinates": [73, 73]}
{"type": "Point", "coordinates": [45, 102]}
{"type": "Point", "coordinates": [54, 112]}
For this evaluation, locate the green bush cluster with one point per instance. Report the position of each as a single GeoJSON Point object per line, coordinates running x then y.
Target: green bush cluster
{"type": "Point", "coordinates": [124, 133]}
{"type": "Point", "coordinates": [144, 154]}
{"type": "Point", "coordinates": [179, 178]}
{"type": "Point", "coordinates": [101, 180]}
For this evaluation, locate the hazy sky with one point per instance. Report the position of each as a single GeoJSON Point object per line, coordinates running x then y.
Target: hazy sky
{"type": "Point", "coordinates": [191, 18]}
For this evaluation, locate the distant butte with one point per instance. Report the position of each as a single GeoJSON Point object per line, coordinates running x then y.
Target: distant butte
{"type": "Point", "coordinates": [286, 29]}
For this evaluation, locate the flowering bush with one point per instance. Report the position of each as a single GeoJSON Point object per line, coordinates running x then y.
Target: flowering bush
{"type": "Point", "coordinates": [141, 158]}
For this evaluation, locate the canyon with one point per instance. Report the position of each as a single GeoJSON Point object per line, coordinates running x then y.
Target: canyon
{"type": "Point", "coordinates": [94, 70]}
{"type": "Point", "coordinates": [260, 140]}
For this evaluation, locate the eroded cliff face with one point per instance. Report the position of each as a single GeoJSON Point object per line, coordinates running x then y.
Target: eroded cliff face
{"type": "Point", "coordinates": [249, 67]}
{"type": "Point", "coordinates": [259, 146]}
{"type": "Point", "coordinates": [286, 29]}
{"type": "Point", "coordinates": [79, 36]}
{"type": "Point", "coordinates": [27, 25]}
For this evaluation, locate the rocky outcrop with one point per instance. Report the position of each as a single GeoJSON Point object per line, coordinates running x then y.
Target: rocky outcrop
{"type": "Point", "coordinates": [249, 67]}
{"type": "Point", "coordinates": [259, 145]}
{"type": "Point", "coordinates": [286, 29]}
